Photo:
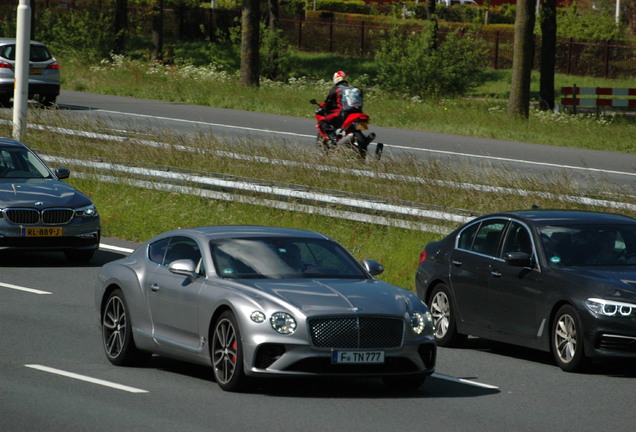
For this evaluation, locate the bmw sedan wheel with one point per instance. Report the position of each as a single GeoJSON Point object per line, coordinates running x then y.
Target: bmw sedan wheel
{"type": "Point", "coordinates": [444, 317]}
{"type": "Point", "coordinates": [117, 332]}
{"type": "Point", "coordinates": [567, 340]}
{"type": "Point", "coordinates": [227, 353]}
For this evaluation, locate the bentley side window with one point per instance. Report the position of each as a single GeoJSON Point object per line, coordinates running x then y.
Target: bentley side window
{"type": "Point", "coordinates": [157, 250]}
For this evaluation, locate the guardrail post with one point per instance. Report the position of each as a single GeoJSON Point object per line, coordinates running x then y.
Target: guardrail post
{"type": "Point", "coordinates": [574, 98]}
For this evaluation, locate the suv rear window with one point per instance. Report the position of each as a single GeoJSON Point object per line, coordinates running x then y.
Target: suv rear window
{"type": "Point", "coordinates": [39, 53]}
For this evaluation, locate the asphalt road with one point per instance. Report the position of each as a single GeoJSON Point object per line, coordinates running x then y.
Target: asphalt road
{"type": "Point", "coordinates": [587, 167]}
{"type": "Point", "coordinates": [49, 334]}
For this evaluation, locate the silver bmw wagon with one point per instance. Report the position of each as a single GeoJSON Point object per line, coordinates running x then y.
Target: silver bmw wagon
{"type": "Point", "coordinates": [254, 301]}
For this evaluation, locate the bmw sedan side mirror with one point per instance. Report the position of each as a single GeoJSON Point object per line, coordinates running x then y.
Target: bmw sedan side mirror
{"type": "Point", "coordinates": [62, 173]}
{"type": "Point", "coordinates": [519, 259]}
{"type": "Point", "coordinates": [373, 267]}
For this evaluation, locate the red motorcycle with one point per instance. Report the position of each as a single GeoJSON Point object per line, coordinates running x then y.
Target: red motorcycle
{"type": "Point", "coordinates": [350, 134]}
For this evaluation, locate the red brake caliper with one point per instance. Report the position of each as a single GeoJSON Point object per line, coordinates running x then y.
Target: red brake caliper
{"type": "Point", "coordinates": [234, 347]}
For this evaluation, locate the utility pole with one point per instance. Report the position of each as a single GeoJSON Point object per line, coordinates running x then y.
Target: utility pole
{"type": "Point", "coordinates": [21, 86]}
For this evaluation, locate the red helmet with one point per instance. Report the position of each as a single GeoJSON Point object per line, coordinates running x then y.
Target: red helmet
{"type": "Point", "coordinates": [339, 76]}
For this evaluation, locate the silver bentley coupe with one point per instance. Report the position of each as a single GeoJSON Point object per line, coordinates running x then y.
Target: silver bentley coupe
{"type": "Point", "coordinates": [255, 301]}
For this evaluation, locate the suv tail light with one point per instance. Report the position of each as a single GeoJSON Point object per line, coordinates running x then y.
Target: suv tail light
{"type": "Point", "coordinates": [4, 64]}
{"type": "Point", "coordinates": [54, 65]}
{"type": "Point", "coordinates": [423, 256]}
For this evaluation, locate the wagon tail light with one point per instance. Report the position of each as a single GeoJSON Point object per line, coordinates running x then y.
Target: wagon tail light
{"type": "Point", "coordinates": [5, 65]}
{"type": "Point", "coordinates": [54, 65]}
{"type": "Point", "coordinates": [423, 256]}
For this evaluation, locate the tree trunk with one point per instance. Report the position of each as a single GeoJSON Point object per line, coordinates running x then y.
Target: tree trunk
{"type": "Point", "coordinates": [548, 54]}
{"type": "Point", "coordinates": [157, 30]}
{"type": "Point", "coordinates": [249, 76]}
{"type": "Point", "coordinates": [273, 26]}
{"type": "Point", "coordinates": [430, 9]}
{"type": "Point", "coordinates": [522, 59]}
{"type": "Point", "coordinates": [121, 26]}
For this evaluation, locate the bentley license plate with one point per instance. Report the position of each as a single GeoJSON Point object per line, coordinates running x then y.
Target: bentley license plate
{"type": "Point", "coordinates": [357, 357]}
{"type": "Point", "coordinates": [42, 232]}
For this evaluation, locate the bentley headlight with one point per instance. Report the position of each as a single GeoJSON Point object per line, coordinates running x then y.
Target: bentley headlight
{"type": "Point", "coordinates": [611, 308]}
{"type": "Point", "coordinates": [86, 212]}
{"type": "Point", "coordinates": [420, 320]}
{"type": "Point", "coordinates": [283, 323]}
{"type": "Point", "coordinates": [257, 316]}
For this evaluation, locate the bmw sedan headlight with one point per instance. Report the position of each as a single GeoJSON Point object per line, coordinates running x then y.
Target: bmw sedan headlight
{"type": "Point", "coordinates": [611, 308]}
{"type": "Point", "coordinates": [86, 212]}
{"type": "Point", "coordinates": [419, 321]}
{"type": "Point", "coordinates": [283, 323]}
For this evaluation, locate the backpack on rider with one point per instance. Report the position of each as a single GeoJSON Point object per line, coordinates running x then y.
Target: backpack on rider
{"type": "Point", "coordinates": [351, 98]}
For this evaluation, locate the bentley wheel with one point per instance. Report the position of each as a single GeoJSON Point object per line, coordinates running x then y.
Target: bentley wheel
{"type": "Point", "coordinates": [567, 340]}
{"type": "Point", "coordinates": [227, 353]}
{"type": "Point", "coordinates": [117, 335]}
{"type": "Point", "coordinates": [444, 318]}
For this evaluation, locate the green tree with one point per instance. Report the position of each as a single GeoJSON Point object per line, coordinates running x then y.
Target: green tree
{"type": "Point", "coordinates": [157, 29]}
{"type": "Point", "coordinates": [121, 26]}
{"type": "Point", "coordinates": [250, 29]}
{"type": "Point", "coordinates": [548, 54]}
{"type": "Point", "coordinates": [522, 59]}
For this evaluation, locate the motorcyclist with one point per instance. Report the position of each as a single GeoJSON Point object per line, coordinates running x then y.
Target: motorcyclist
{"type": "Point", "coordinates": [332, 106]}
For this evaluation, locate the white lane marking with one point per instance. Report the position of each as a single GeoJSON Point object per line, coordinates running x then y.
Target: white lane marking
{"type": "Point", "coordinates": [21, 288]}
{"type": "Point", "coordinates": [389, 145]}
{"type": "Point", "coordinates": [86, 378]}
{"type": "Point", "coordinates": [115, 248]}
{"type": "Point", "coordinates": [521, 161]}
{"type": "Point", "coordinates": [465, 381]}
{"type": "Point", "coordinates": [196, 122]}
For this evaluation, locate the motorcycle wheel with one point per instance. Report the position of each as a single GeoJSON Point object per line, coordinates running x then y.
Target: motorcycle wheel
{"type": "Point", "coordinates": [324, 146]}
{"type": "Point", "coordinates": [360, 143]}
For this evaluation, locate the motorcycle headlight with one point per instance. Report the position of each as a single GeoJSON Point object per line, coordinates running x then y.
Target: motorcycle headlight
{"type": "Point", "coordinates": [419, 321]}
{"type": "Point", "coordinates": [86, 212]}
{"type": "Point", "coordinates": [611, 308]}
{"type": "Point", "coordinates": [283, 323]}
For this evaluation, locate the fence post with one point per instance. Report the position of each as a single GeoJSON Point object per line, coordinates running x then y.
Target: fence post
{"type": "Point", "coordinates": [574, 98]}
{"type": "Point", "coordinates": [496, 59]}
{"type": "Point", "coordinates": [300, 33]}
{"type": "Point", "coordinates": [362, 39]}
{"type": "Point", "coordinates": [331, 33]}
{"type": "Point", "coordinates": [569, 67]}
{"type": "Point", "coordinates": [607, 56]}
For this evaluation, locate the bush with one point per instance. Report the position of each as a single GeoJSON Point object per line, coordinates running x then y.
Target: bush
{"type": "Point", "coordinates": [82, 33]}
{"type": "Point", "coordinates": [412, 63]}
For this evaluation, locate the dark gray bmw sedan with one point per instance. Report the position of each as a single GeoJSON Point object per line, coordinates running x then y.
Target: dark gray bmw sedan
{"type": "Point", "coordinates": [559, 281]}
{"type": "Point", "coordinates": [40, 212]}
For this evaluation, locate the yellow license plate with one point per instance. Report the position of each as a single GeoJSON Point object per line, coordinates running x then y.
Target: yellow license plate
{"type": "Point", "coordinates": [363, 126]}
{"type": "Point", "coordinates": [35, 71]}
{"type": "Point", "coordinates": [43, 232]}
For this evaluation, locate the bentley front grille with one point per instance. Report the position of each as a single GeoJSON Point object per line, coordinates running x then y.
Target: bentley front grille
{"type": "Point", "coordinates": [356, 332]}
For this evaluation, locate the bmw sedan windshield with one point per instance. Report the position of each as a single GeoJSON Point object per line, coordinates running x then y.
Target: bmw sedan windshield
{"type": "Point", "coordinates": [16, 162]}
{"type": "Point", "coordinates": [590, 245]}
{"type": "Point", "coordinates": [265, 258]}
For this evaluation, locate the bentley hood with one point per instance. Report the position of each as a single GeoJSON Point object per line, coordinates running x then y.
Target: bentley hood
{"type": "Point", "coordinates": [49, 192]}
{"type": "Point", "coordinates": [341, 296]}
